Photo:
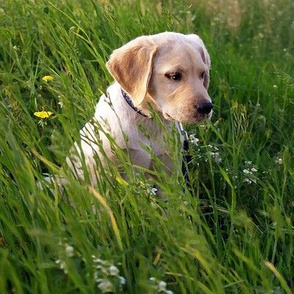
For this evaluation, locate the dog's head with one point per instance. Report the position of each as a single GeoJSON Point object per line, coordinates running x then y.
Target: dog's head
{"type": "Point", "coordinates": [170, 71]}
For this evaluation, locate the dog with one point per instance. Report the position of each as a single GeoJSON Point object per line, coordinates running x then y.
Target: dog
{"type": "Point", "coordinates": [164, 75]}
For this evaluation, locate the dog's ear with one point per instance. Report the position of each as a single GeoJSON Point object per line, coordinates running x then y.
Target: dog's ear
{"type": "Point", "coordinates": [202, 49]}
{"type": "Point", "coordinates": [206, 59]}
{"type": "Point", "coordinates": [204, 55]}
{"type": "Point", "coordinates": [131, 67]}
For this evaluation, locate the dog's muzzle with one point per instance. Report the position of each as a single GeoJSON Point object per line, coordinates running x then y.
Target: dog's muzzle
{"type": "Point", "coordinates": [204, 108]}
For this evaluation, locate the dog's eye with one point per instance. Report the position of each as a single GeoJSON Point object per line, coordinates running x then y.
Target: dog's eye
{"type": "Point", "coordinates": [176, 76]}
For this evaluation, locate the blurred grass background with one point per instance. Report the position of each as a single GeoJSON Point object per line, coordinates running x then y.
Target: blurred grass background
{"type": "Point", "coordinates": [232, 234]}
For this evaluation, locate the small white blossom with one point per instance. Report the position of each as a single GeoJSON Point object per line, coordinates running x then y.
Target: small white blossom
{"type": "Point", "coordinates": [162, 286]}
{"type": "Point", "coordinates": [62, 265]}
{"type": "Point", "coordinates": [98, 260]}
{"type": "Point", "coordinates": [152, 191]}
{"type": "Point", "coordinates": [194, 139]}
{"type": "Point", "coordinates": [122, 280]}
{"type": "Point", "coordinates": [106, 275]}
{"type": "Point", "coordinates": [69, 250]}
{"type": "Point", "coordinates": [65, 251]}
{"type": "Point", "coordinates": [216, 157]}
{"type": "Point", "coordinates": [260, 35]}
{"type": "Point", "coordinates": [105, 286]}
{"type": "Point", "coordinates": [249, 172]}
{"type": "Point", "coordinates": [249, 180]}
{"type": "Point", "coordinates": [113, 270]}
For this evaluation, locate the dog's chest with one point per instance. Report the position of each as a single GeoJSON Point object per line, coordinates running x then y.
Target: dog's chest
{"type": "Point", "coordinates": [152, 136]}
{"type": "Point", "coordinates": [129, 129]}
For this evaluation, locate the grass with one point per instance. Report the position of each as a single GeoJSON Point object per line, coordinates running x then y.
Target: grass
{"type": "Point", "coordinates": [232, 234]}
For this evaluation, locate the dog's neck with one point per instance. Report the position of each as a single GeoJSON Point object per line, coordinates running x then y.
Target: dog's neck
{"type": "Point", "coordinates": [145, 107]}
{"type": "Point", "coordinates": [129, 100]}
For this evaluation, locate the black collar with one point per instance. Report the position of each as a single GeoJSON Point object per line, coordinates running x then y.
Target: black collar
{"type": "Point", "coordinates": [128, 99]}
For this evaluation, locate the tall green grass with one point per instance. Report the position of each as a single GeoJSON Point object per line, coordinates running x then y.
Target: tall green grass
{"type": "Point", "coordinates": [233, 233]}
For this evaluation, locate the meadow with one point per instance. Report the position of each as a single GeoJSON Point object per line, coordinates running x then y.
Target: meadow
{"type": "Point", "coordinates": [232, 232]}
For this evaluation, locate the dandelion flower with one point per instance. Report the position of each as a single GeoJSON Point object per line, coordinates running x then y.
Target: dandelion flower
{"type": "Point", "coordinates": [43, 114]}
{"type": "Point", "coordinates": [47, 78]}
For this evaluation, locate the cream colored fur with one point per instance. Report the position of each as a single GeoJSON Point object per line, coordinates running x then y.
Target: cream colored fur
{"type": "Point", "coordinates": [167, 73]}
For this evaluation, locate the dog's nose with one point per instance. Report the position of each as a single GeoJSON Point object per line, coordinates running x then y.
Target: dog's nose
{"type": "Point", "coordinates": [204, 108]}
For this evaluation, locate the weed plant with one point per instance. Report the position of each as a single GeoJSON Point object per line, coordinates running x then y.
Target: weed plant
{"type": "Point", "coordinates": [232, 233]}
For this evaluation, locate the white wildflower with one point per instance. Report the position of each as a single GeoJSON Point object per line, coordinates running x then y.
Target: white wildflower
{"type": "Point", "coordinates": [162, 286]}
{"type": "Point", "coordinates": [96, 276]}
{"type": "Point", "coordinates": [98, 260]}
{"type": "Point", "coordinates": [105, 286]}
{"type": "Point", "coordinates": [69, 250]}
{"type": "Point", "coordinates": [122, 280]}
{"type": "Point", "coordinates": [62, 265]}
{"type": "Point", "coordinates": [106, 275]}
{"type": "Point", "coordinates": [194, 139]}
{"type": "Point", "coordinates": [216, 157]}
{"type": "Point", "coordinates": [248, 181]}
{"type": "Point", "coordinates": [65, 251]}
{"type": "Point", "coordinates": [113, 270]}
{"type": "Point", "coordinates": [246, 171]}
{"type": "Point", "coordinates": [152, 191]}
{"type": "Point", "coordinates": [250, 171]}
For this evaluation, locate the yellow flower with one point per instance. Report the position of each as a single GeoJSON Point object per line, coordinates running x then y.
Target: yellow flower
{"type": "Point", "coordinates": [43, 114]}
{"type": "Point", "coordinates": [47, 78]}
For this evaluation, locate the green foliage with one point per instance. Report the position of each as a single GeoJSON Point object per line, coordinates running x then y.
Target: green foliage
{"type": "Point", "coordinates": [233, 233]}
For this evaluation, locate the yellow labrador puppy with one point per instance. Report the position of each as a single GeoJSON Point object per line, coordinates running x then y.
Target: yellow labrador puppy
{"type": "Point", "coordinates": [167, 73]}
